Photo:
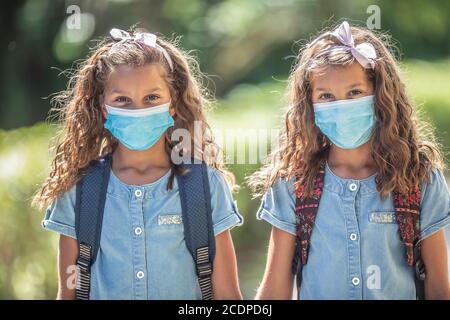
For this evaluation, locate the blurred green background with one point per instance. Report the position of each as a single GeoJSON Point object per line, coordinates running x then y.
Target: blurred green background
{"type": "Point", "coordinates": [246, 47]}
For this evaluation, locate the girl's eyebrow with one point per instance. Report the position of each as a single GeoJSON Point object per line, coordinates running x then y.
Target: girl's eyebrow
{"type": "Point", "coordinates": [354, 85]}
{"type": "Point", "coordinates": [348, 87]}
{"type": "Point", "coordinates": [323, 89]}
{"type": "Point", "coordinates": [154, 89]}
{"type": "Point", "coordinates": [118, 91]}
{"type": "Point", "coordinates": [115, 90]}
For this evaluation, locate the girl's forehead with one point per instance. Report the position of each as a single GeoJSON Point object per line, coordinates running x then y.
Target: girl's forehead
{"type": "Point", "coordinates": [124, 76]}
{"type": "Point", "coordinates": [339, 75]}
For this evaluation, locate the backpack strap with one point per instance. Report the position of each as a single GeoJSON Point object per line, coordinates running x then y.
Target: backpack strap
{"type": "Point", "coordinates": [407, 213]}
{"type": "Point", "coordinates": [195, 196]}
{"type": "Point", "coordinates": [89, 207]}
{"type": "Point", "coordinates": [306, 209]}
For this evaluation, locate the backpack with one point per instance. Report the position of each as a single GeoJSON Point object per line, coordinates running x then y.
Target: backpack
{"type": "Point", "coordinates": [196, 215]}
{"type": "Point", "coordinates": [407, 213]}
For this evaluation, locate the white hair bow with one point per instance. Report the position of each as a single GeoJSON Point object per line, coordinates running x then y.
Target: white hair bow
{"type": "Point", "coordinates": [148, 39]}
{"type": "Point", "coordinates": [364, 53]}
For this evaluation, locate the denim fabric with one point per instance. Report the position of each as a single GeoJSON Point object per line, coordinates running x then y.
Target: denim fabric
{"type": "Point", "coordinates": [355, 250]}
{"type": "Point", "coordinates": [142, 253]}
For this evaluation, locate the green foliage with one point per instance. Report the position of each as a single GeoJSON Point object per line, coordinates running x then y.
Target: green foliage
{"type": "Point", "coordinates": [27, 254]}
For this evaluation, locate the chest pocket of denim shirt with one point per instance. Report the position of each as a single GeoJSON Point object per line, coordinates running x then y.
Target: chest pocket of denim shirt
{"type": "Point", "coordinates": [168, 231]}
{"type": "Point", "coordinates": [383, 227]}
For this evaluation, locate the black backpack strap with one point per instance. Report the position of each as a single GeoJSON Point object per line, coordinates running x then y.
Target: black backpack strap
{"type": "Point", "coordinates": [407, 212]}
{"type": "Point", "coordinates": [195, 196]}
{"type": "Point", "coordinates": [89, 207]}
{"type": "Point", "coordinates": [306, 208]}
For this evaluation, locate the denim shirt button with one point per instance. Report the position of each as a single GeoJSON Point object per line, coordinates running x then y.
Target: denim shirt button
{"type": "Point", "coordinates": [138, 193]}
{"type": "Point", "coordinates": [140, 274]}
{"type": "Point", "coordinates": [353, 186]}
{"type": "Point", "coordinates": [138, 231]}
{"type": "Point", "coordinates": [355, 281]}
{"type": "Point", "coordinates": [353, 236]}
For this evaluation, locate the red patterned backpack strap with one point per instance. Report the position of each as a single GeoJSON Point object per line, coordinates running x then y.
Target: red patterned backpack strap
{"type": "Point", "coordinates": [306, 208]}
{"type": "Point", "coordinates": [407, 212]}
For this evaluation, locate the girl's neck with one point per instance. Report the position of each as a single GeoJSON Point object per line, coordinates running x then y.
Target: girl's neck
{"type": "Point", "coordinates": [141, 161]}
{"type": "Point", "coordinates": [352, 164]}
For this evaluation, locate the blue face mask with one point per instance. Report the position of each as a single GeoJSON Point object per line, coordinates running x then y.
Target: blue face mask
{"type": "Point", "coordinates": [138, 129]}
{"type": "Point", "coordinates": [347, 123]}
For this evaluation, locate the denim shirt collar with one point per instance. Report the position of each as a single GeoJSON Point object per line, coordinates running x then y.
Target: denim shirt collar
{"type": "Point", "coordinates": [343, 186]}
{"type": "Point", "coordinates": [154, 189]}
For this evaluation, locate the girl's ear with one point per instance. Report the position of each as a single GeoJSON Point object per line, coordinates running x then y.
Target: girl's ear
{"type": "Point", "coordinates": [172, 111]}
{"type": "Point", "coordinates": [105, 113]}
{"type": "Point", "coordinates": [103, 108]}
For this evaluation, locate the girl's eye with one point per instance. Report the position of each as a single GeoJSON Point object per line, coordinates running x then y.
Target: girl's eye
{"type": "Point", "coordinates": [122, 99]}
{"type": "Point", "coordinates": [152, 97]}
{"type": "Point", "coordinates": [326, 96]}
{"type": "Point", "coordinates": [355, 92]}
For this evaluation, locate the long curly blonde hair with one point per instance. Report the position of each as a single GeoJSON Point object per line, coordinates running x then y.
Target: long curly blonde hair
{"type": "Point", "coordinates": [403, 147]}
{"type": "Point", "coordinates": [83, 137]}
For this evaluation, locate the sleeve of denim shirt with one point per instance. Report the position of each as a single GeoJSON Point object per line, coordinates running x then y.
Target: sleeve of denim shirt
{"type": "Point", "coordinates": [225, 214]}
{"type": "Point", "coordinates": [278, 206]}
{"type": "Point", "coordinates": [435, 205]}
{"type": "Point", "coordinates": [60, 216]}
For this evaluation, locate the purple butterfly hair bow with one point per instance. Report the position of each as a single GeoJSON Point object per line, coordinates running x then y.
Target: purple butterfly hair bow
{"type": "Point", "coordinates": [364, 53]}
{"type": "Point", "coordinates": [148, 39]}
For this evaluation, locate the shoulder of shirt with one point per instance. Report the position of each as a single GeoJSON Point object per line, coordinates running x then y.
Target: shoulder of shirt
{"type": "Point", "coordinates": [214, 175]}
{"type": "Point", "coordinates": [71, 193]}
{"type": "Point", "coordinates": [281, 186]}
{"type": "Point", "coordinates": [284, 181]}
{"type": "Point", "coordinates": [436, 177]}
{"type": "Point", "coordinates": [67, 196]}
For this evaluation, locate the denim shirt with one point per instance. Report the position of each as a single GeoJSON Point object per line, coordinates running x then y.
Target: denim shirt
{"type": "Point", "coordinates": [142, 252]}
{"type": "Point", "coordinates": [355, 249]}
